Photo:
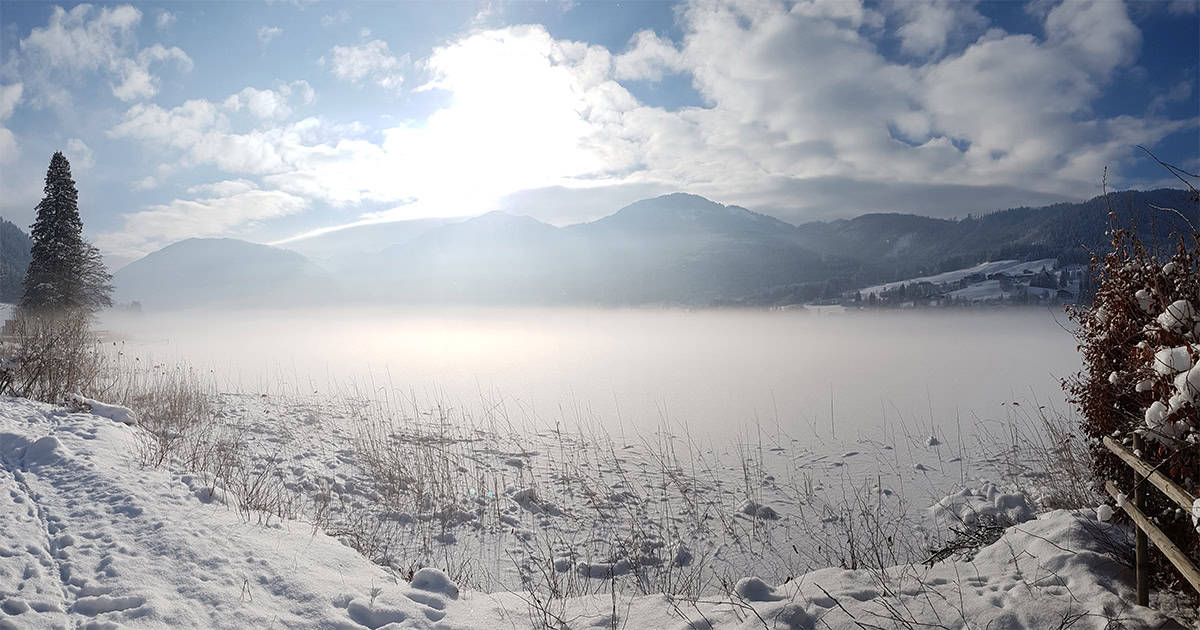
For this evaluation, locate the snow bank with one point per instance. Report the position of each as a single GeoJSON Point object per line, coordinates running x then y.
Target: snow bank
{"type": "Point", "coordinates": [90, 539]}
{"type": "Point", "coordinates": [967, 505]}
{"type": "Point", "coordinates": [116, 413]}
{"type": "Point", "coordinates": [758, 510]}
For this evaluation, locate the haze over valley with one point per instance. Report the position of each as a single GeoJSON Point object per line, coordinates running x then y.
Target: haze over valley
{"type": "Point", "coordinates": [674, 250]}
{"type": "Point", "coordinates": [582, 314]}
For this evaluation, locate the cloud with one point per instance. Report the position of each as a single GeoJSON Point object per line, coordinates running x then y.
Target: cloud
{"type": "Point", "coordinates": [179, 127]}
{"type": "Point", "coordinates": [271, 104]}
{"type": "Point", "coordinates": [146, 183]}
{"type": "Point", "coordinates": [80, 154]}
{"type": "Point", "coordinates": [9, 149]}
{"type": "Point", "coordinates": [72, 40]}
{"type": "Point", "coordinates": [1096, 35]}
{"type": "Point", "coordinates": [1183, 7]}
{"type": "Point", "coordinates": [341, 16]}
{"type": "Point", "coordinates": [223, 208]}
{"type": "Point", "coordinates": [927, 28]}
{"type": "Point", "coordinates": [164, 19]}
{"type": "Point", "coordinates": [268, 33]}
{"type": "Point", "coordinates": [226, 188]}
{"type": "Point", "coordinates": [84, 40]}
{"type": "Point", "coordinates": [202, 132]}
{"type": "Point", "coordinates": [10, 96]}
{"type": "Point", "coordinates": [368, 62]}
{"type": "Point", "coordinates": [1179, 92]}
{"type": "Point", "coordinates": [647, 58]}
{"type": "Point", "coordinates": [523, 112]}
{"type": "Point", "coordinates": [799, 99]}
{"type": "Point", "coordinates": [136, 80]}
{"type": "Point", "coordinates": [800, 92]}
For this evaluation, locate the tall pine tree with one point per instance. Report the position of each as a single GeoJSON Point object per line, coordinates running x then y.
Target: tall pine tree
{"type": "Point", "coordinates": [65, 272]}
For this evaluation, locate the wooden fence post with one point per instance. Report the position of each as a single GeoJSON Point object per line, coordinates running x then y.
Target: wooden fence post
{"type": "Point", "coordinates": [1142, 555]}
{"type": "Point", "coordinates": [1147, 531]}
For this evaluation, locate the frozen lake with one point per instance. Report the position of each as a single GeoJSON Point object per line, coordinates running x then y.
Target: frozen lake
{"type": "Point", "coordinates": [711, 371]}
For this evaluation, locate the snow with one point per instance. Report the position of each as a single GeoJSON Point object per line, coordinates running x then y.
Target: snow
{"type": "Point", "coordinates": [755, 590]}
{"type": "Point", "coordinates": [91, 539]}
{"type": "Point", "coordinates": [1180, 315]}
{"type": "Point", "coordinates": [434, 581]}
{"type": "Point", "coordinates": [967, 505]}
{"type": "Point", "coordinates": [1174, 362]}
{"type": "Point", "coordinates": [1144, 299]}
{"type": "Point", "coordinates": [1169, 361]}
{"type": "Point", "coordinates": [116, 413]}
{"type": "Point", "coordinates": [757, 510]}
{"type": "Point", "coordinates": [1104, 512]}
{"type": "Point", "coordinates": [1010, 267]}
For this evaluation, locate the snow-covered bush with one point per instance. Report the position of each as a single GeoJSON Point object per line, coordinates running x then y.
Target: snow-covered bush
{"type": "Point", "coordinates": [1140, 344]}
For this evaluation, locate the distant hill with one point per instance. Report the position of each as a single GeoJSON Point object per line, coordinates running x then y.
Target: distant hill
{"type": "Point", "coordinates": [677, 249]}
{"type": "Point", "coordinates": [493, 258]}
{"type": "Point", "coordinates": [685, 249]}
{"type": "Point", "coordinates": [339, 249]}
{"type": "Point", "coordinates": [14, 260]}
{"type": "Point", "coordinates": [223, 272]}
{"type": "Point", "coordinates": [878, 248]}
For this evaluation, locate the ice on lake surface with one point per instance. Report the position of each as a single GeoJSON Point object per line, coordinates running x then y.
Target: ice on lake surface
{"type": "Point", "coordinates": [631, 444]}
{"type": "Point", "coordinates": [636, 370]}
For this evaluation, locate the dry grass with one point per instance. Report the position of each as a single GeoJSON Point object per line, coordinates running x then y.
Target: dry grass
{"type": "Point", "coordinates": [50, 355]}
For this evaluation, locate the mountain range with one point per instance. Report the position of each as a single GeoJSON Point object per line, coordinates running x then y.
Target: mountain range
{"type": "Point", "coordinates": [677, 249]}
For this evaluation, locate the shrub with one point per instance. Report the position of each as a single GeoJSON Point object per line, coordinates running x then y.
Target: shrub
{"type": "Point", "coordinates": [49, 355]}
{"type": "Point", "coordinates": [1140, 344]}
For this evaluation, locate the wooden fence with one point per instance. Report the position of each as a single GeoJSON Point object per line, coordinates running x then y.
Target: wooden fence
{"type": "Point", "coordinates": [1144, 472]}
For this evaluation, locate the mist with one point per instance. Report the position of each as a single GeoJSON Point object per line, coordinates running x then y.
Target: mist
{"type": "Point", "coordinates": [636, 369]}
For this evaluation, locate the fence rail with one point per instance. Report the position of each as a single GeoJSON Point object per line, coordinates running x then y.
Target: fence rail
{"type": "Point", "coordinates": [1145, 527]}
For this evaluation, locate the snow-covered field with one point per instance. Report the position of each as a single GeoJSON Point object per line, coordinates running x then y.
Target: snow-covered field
{"type": "Point", "coordinates": [1010, 267]}
{"type": "Point", "coordinates": [90, 538]}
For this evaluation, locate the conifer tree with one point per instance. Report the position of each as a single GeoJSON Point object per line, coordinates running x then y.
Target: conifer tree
{"type": "Point", "coordinates": [65, 272]}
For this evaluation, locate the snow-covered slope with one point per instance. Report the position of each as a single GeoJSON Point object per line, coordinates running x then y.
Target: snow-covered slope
{"type": "Point", "coordinates": [1010, 267]}
{"type": "Point", "coordinates": [88, 539]}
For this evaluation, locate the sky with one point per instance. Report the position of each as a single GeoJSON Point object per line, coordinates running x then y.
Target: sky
{"type": "Point", "coordinates": [272, 120]}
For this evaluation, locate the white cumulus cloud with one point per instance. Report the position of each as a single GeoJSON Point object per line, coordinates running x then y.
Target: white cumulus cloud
{"type": "Point", "coordinates": [85, 40]}
{"type": "Point", "coordinates": [802, 114]}
{"type": "Point", "coordinates": [10, 95]}
{"type": "Point", "coordinates": [371, 61]}
{"type": "Point", "coordinates": [648, 57]}
{"type": "Point", "coordinates": [222, 209]}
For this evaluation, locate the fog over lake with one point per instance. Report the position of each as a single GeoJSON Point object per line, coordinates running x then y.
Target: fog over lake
{"type": "Point", "coordinates": [716, 371]}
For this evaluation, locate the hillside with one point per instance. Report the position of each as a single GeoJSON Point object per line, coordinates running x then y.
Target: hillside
{"type": "Point", "coordinates": [676, 249]}
{"type": "Point", "coordinates": [14, 259]}
{"type": "Point", "coordinates": [222, 272]}
{"type": "Point", "coordinates": [882, 248]}
{"type": "Point", "coordinates": [337, 249]}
